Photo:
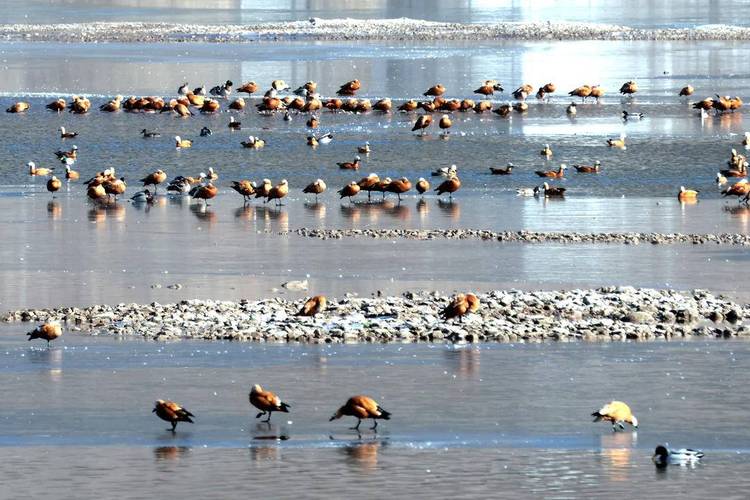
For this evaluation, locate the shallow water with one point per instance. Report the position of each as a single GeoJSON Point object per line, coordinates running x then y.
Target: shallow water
{"type": "Point", "coordinates": [672, 146]}
{"type": "Point", "coordinates": [499, 416]}
{"type": "Point", "coordinates": [641, 13]}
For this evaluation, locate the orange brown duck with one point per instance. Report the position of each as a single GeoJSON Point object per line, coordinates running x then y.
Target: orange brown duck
{"type": "Point", "coordinates": [362, 407]}
{"type": "Point", "coordinates": [154, 179]}
{"type": "Point", "coordinates": [553, 174]}
{"type": "Point", "coordinates": [349, 191]}
{"type": "Point", "coordinates": [244, 187]}
{"type": "Point", "coordinates": [588, 169]}
{"type": "Point", "coordinates": [266, 402]}
{"type": "Point", "coordinates": [48, 331]}
{"type": "Point", "coordinates": [461, 305]}
{"type": "Point", "coordinates": [316, 188]}
{"type": "Point", "coordinates": [422, 186]}
{"type": "Point", "coordinates": [204, 192]}
{"type": "Point", "coordinates": [399, 186]}
{"type": "Point", "coordinates": [278, 192]}
{"type": "Point", "coordinates": [436, 90]}
{"type": "Point", "coordinates": [423, 121]}
{"type": "Point", "coordinates": [313, 306]}
{"type": "Point", "coordinates": [171, 412]}
{"type": "Point", "coordinates": [450, 186]}
{"type": "Point", "coordinates": [369, 183]}
{"type": "Point", "coordinates": [349, 88]}
{"type": "Point", "coordinates": [54, 184]}
{"type": "Point", "coordinates": [350, 165]}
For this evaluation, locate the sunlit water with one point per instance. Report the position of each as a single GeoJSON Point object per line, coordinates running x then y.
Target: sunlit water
{"type": "Point", "coordinates": [511, 417]}
{"type": "Point", "coordinates": [641, 13]}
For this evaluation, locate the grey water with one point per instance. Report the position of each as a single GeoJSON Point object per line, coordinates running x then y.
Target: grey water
{"type": "Point", "coordinates": [640, 13]}
{"type": "Point", "coordinates": [501, 417]}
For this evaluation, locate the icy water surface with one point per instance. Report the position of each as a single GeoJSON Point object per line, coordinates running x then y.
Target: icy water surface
{"type": "Point", "coordinates": [512, 417]}
{"type": "Point", "coordinates": [641, 13]}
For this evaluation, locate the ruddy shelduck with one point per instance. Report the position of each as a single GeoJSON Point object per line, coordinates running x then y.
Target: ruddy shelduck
{"type": "Point", "coordinates": [546, 151]}
{"type": "Point", "coordinates": [362, 407]}
{"type": "Point", "coordinates": [349, 88]}
{"type": "Point", "coordinates": [461, 305]}
{"type": "Point", "coordinates": [629, 88]}
{"type": "Point", "coordinates": [685, 91]}
{"type": "Point", "coordinates": [369, 183]}
{"type": "Point", "coordinates": [40, 172]}
{"type": "Point", "coordinates": [399, 187]}
{"type": "Point", "coordinates": [364, 148]}
{"type": "Point", "coordinates": [450, 186]}
{"type": "Point", "coordinates": [67, 135]}
{"type": "Point", "coordinates": [71, 174]}
{"type": "Point", "coordinates": [264, 188]}
{"type": "Point", "coordinates": [552, 191]}
{"type": "Point", "coordinates": [502, 171]}
{"type": "Point", "coordinates": [278, 192]}
{"type": "Point", "coordinates": [181, 143]}
{"type": "Point", "coordinates": [48, 331]}
{"type": "Point", "coordinates": [54, 184]}
{"type": "Point", "coordinates": [687, 194]}
{"type": "Point", "coordinates": [350, 165]}
{"type": "Point", "coordinates": [313, 306]}
{"type": "Point", "coordinates": [617, 143]}
{"type": "Point", "coordinates": [316, 188]}
{"type": "Point", "coordinates": [583, 92]}
{"type": "Point", "coordinates": [154, 179]}
{"type": "Point", "coordinates": [618, 413]}
{"type": "Point", "coordinates": [423, 121]}
{"type": "Point", "coordinates": [588, 169]}
{"type": "Point", "coordinates": [171, 412]}
{"type": "Point", "coordinates": [244, 187]}
{"type": "Point", "coordinates": [266, 402]}
{"type": "Point", "coordinates": [555, 174]}
{"type": "Point", "coordinates": [445, 123]}
{"type": "Point", "coordinates": [18, 107]}
{"type": "Point", "coordinates": [422, 185]}
{"type": "Point", "coordinates": [435, 90]}
{"type": "Point", "coordinates": [204, 192]}
{"type": "Point", "coordinates": [349, 191]}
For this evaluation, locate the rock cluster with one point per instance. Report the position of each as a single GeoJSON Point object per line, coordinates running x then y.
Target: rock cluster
{"type": "Point", "coordinates": [613, 313]}
{"type": "Point", "coordinates": [631, 238]}
{"type": "Point", "coordinates": [357, 29]}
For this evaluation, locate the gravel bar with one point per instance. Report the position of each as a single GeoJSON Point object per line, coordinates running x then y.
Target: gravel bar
{"type": "Point", "coordinates": [632, 238]}
{"type": "Point", "coordinates": [357, 29]}
{"type": "Point", "coordinates": [605, 314]}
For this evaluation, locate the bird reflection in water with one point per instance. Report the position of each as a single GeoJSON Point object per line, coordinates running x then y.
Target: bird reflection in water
{"type": "Point", "coordinates": [102, 212]}
{"type": "Point", "coordinates": [54, 210]}
{"type": "Point", "coordinates": [742, 213]}
{"type": "Point", "coordinates": [363, 454]}
{"type": "Point", "coordinates": [162, 453]}
{"type": "Point", "coordinates": [273, 218]}
{"type": "Point", "coordinates": [317, 209]}
{"type": "Point", "coordinates": [203, 212]}
{"type": "Point", "coordinates": [396, 210]}
{"type": "Point", "coordinates": [617, 448]}
{"type": "Point", "coordinates": [265, 442]}
{"type": "Point", "coordinates": [423, 209]}
{"type": "Point", "coordinates": [465, 360]}
{"type": "Point", "coordinates": [351, 211]}
{"type": "Point", "coordinates": [50, 358]}
{"type": "Point", "coordinates": [728, 122]}
{"type": "Point", "coordinates": [245, 212]}
{"type": "Point", "coordinates": [450, 208]}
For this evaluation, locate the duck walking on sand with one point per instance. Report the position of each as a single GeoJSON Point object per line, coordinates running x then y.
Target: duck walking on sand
{"type": "Point", "coordinates": [663, 456]}
{"type": "Point", "coordinates": [618, 413]}
{"type": "Point", "coordinates": [316, 188]}
{"type": "Point", "coordinates": [461, 305]}
{"type": "Point", "coordinates": [48, 331]}
{"type": "Point", "coordinates": [171, 412]}
{"type": "Point", "coordinates": [362, 407]}
{"type": "Point", "coordinates": [266, 402]}
{"type": "Point", "coordinates": [313, 305]}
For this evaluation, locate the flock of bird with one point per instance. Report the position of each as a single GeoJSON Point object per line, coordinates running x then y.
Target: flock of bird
{"type": "Point", "coordinates": [306, 99]}
{"type": "Point", "coordinates": [363, 407]}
